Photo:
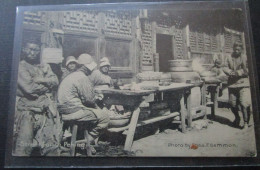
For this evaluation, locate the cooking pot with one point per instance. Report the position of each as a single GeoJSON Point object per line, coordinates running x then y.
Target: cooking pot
{"type": "Point", "coordinates": [180, 63]}
{"type": "Point", "coordinates": [181, 69]}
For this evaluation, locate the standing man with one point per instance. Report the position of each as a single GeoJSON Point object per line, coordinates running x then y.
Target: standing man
{"type": "Point", "coordinates": [238, 84]}
{"type": "Point", "coordinates": [77, 100]}
{"type": "Point", "coordinates": [34, 112]}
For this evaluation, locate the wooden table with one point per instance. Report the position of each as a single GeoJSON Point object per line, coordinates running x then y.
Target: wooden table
{"type": "Point", "coordinates": [135, 98]}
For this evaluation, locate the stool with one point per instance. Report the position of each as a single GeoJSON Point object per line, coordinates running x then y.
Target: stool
{"type": "Point", "coordinates": [74, 141]}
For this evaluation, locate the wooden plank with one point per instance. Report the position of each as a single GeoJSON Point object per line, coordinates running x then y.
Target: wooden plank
{"type": "Point", "coordinates": [131, 131]}
{"type": "Point", "coordinates": [145, 122]}
{"type": "Point", "coordinates": [172, 87]}
{"type": "Point", "coordinates": [156, 119]}
{"type": "Point", "coordinates": [123, 92]}
{"type": "Point", "coordinates": [175, 86]}
{"type": "Point", "coordinates": [176, 121]}
{"type": "Point", "coordinates": [119, 99]}
{"type": "Point", "coordinates": [120, 129]}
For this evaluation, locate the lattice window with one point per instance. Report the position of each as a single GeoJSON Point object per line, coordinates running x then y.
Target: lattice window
{"type": "Point", "coordinates": [200, 43]}
{"type": "Point", "coordinates": [214, 43]}
{"type": "Point", "coordinates": [34, 18]}
{"type": "Point", "coordinates": [228, 42]}
{"type": "Point", "coordinates": [237, 38]}
{"type": "Point", "coordinates": [179, 48]}
{"type": "Point", "coordinates": [118, 23]}
{"type": "Point", "coordinates": [86, 21]}
{"type": "Point", "coordinates": [147, 45]}
{"type": "Point", "coordinates": [193, 41]}
{"type": "Point", "coordinates": [203, 42]}
{"type": "Point", "coordinates": [230, 37]}
{"type": "Point", "coordinates": [207, 42]}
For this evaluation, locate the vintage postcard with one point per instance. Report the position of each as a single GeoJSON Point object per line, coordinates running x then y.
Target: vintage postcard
{"type": "Point", "coordinates": [137, 80]}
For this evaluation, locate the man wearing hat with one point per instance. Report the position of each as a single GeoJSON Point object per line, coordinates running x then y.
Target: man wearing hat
{"type": "Point", "coordinates": [71, 66]}
{"type": "Point", "coordinates": [76, 97]}
{"type": "Point", "coordinates": [104, 65]}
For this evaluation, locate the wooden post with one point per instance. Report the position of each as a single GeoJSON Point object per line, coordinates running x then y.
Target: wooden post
{"type": "Point", "coordinates": [216, 100]}
{"type": "Point", "coordinates": [131, 130]}
{"type": "Point", "coordinates": [154, 26]}
{"type": "Point", "coordinates": [203, 94]}
{"type": "Point", "coordinates": [243, 42]}
{"type": "Point", "coordinates": [88, 147]}
{"type": "Point", "coordinates": [101, 42]}
{"type": "Point", "coordinates": [187, 32]}
{"type": "Point", "coordinates": [156, 62]}
{"type": "Point", "coordinates": [173, 43]}
{"type": "Point", "coordinates": [183, 126]}
{"type": "Point", "coordinates": [203, 98]}
{"type": "Point", "coordinates": [73, 140]}
{"type": "Point", "coordinates": [189, 116]}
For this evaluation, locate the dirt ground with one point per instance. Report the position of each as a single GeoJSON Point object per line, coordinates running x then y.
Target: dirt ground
{"type": "Point", "coordinates": [218, 139]}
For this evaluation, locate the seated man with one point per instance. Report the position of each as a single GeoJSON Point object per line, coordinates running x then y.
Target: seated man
{"type": "Point", "coordinates": [77, 100]}
{"type": "Point", "coordinates": [71, 66]}
{"type": "Point", "coordinates": [218, 70]}
{"type": "Point", "coordinates": [35, 111]}
{"type": "Point", "coordinates": [104, 68]}
{"type": "Point", "coordinates": [116, 112]}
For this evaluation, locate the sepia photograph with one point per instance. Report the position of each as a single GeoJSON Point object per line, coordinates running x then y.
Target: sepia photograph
{"type": "Point", "coordinates": [137, 81]}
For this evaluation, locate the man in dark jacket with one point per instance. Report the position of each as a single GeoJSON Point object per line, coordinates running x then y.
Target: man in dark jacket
{"type": "Point", "coordinates": [238, 84]}
{"type": "Point", "coordinates": [34, 106]}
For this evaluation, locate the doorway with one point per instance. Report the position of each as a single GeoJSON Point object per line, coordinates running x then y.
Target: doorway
{"type": "Point", "coordinates": [164, 48]}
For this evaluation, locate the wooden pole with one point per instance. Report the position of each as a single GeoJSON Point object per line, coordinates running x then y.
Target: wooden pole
{"type": "Point", "coordinates": [131, 130]}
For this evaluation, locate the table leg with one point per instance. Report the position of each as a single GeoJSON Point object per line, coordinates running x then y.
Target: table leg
{"type": "Point", "coordinates": [203, 95]}
{"type": "Point", "coordinates": [183, 126]}
{"type": "Point", "coordinates": [131, 130]}
{"type": "Point", "coordinates": [216, 100]}
{"type": "Point", "coordinates": [189, 116]}
{"type": "Point", "coordinates": [203, 99]}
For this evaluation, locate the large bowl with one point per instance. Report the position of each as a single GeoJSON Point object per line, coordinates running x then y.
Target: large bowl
{"type": "Point", "coordinates": [118, 122]}
{"type": "Point", "coordinates": [181, 69]}
{"type": "Point", "coordinates": [180, 63]}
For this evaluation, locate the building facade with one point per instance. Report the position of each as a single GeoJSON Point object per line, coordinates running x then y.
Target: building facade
{"type": "Point", "coordinates": [135, 40]}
